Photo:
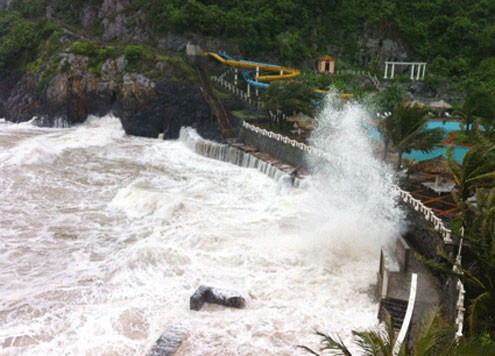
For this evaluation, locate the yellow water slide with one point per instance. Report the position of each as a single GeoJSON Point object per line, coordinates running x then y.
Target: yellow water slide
{"type": "Point", "coordinates": [282, 72]}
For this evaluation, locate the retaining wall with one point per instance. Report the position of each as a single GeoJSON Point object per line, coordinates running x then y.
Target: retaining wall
{"type": "Point", "coordinates": [280, 150]}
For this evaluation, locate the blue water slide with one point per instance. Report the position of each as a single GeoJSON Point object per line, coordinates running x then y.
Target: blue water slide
{"type": "Point", "coordinates": [247, 76]}
{"type": "Point", "coordinates": [226, 56]}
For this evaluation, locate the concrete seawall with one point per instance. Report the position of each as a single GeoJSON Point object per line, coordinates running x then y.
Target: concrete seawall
{"type": "Point", "coordinates": [282, 151]}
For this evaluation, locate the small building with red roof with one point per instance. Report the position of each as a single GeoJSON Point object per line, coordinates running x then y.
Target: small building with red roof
{"type": "Point", "coordinates": [326, 65]}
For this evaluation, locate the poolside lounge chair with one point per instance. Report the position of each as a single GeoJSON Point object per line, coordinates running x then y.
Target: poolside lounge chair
{"type": "Point", "coordinates": [440, 185]}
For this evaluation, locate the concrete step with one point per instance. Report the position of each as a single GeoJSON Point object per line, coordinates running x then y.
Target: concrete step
{"type": "Point", "coordinates": [395, 307]}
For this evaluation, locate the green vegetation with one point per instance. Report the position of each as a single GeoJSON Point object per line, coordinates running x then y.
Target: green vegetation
{"type": "Point", "coordinates": [406, 130]}
{"type": "Point", "coordinates": [435, 338]}
{"type": "Point", "coordinates": [70, 10]}
{"type": "Point", "coordinates": [456, 38]}
{"type": "Point", "coordinates": [479, 105]}
{"type": "Point", "coordinates": [21, 40]}
{"type": "Point", "coordinates": [388, 99]}
{"type": "Point", "coordinates": [289, 97]}
{"type": "Point", "coordinates": [246, 115]}
{"type": "Point", "coordinates": [476, 222]}
{"type": "Point", "coordinates": [29, 8]}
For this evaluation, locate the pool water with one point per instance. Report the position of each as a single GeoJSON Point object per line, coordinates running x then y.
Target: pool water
{"type": "Point", "coordinates": [419, 156]}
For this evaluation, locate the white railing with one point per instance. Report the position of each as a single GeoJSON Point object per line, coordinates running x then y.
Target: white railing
{"type": "Point", "coordinates": [224, 74]}
{"type": "Point", "coordinates": [459, 306]}
{"type": "Point", "coordinates": [407, 197]}
{"type": "Point", "coordinates": [427, 213]}
{"type": "Point", "coordinates": [407, 318]}
{"type": "Point", "coordinates": [236, 91]}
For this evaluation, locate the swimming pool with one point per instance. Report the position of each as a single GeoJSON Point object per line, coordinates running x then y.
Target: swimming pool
{"type": "Point", "coordinates": [419, 156]}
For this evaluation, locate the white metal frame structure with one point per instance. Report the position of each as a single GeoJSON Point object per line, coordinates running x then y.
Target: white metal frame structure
{"type": "Point", "coordinates": [418, 69]}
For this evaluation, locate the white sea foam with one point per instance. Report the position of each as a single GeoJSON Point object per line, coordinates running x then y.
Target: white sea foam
{"type": "Point", "coordinates": [140, 199]}
{"type": "Point", "coordinates": [46, 148]}
{"type": "Point", "coordinates": [102, 248]}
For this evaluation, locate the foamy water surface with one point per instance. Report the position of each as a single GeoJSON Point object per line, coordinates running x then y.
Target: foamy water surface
{"type": "Point", "coordinates": [104, 237]}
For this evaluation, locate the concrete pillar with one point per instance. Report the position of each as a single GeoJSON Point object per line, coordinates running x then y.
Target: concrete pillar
{"type": "Point", "coordinates": [424, 71]}
{"type": "Point", "coordinates": [386, 70]}
{"type": "Point", "coordinates": [257, 76]}
{"type": "Point", "coordinates": [236, 75]}
{"type": "Point", "coordinates": [393, 71]}
{"type": "Point", "coordinates": [412, 71]}
{"type": "Point", "coordinates": [419, 72]}
{"type": "Point", "coordinates": [248, 90]}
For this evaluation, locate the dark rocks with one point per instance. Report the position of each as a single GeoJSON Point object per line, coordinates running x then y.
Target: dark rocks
{"type": "Point", "coordinates": [168, 342]}
{"type": "Point", "coordinates": [174, 105]}
{"type": "Point", "coordinates": [205, 294]}
{"type": "Point", "coordinates": [160, 100]}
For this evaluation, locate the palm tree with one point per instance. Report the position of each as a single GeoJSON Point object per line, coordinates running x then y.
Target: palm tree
{"type": "Point", "coordinates": [479, 104]}
{"type": "Point", "coordinates": [479, 259]}
{"type": "Point", "coordinates": [435, 338]}
{"type": "Point", "coordinates": [370, 342]}
{"type": "Point", "coordinates": [406, 130]}
{"type": "Point", "coordinates": [477, 169]}
{"type": "Point", "coordinates": [388, 98]}
{"type": "Point", "coordinates": [476, 223]}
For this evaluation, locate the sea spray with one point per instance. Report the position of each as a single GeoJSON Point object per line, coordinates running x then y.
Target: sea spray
{"type": "Point", "coordinates": [352, 208]}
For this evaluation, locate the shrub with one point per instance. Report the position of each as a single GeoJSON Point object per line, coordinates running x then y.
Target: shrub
{"type": "Point", "coordinates": [85, 48]}
{"type": "Point", "coordinates": [135, 54]}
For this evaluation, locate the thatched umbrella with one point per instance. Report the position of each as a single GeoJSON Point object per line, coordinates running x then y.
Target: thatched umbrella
{"type": "Point", "coordinates": [440, 104]}
{"type": "Point", "coordinates": [417, 103]}
{"type": "Point", "coordinates": [437, 165]}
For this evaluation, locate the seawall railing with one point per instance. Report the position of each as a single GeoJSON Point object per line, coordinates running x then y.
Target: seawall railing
{"type": "Point", "coordinates": [236, 91]}
{"type": "Point", "coordinates": [459, 306]}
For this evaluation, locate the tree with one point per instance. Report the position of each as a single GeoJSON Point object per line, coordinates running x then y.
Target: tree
{"type": "Point", "coordinates": [387, 99]}
{"type": "Point", "coordinates": [479, 104]}
{"type": "Point", "coordinates": [406, 130]}
{"type": "Point", "coordinates": [479, 258]}
{"type": "Point", "coordinates": [435, 338]}
{"type": "Point", "coordinates": [289, 97]}
{"type": "Point", "coordinates": [476, 173]}
{"type": "Point", "coordinates": [477, 169]}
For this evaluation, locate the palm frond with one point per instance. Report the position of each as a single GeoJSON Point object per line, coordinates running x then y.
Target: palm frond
{"type": "Point", "coordinates": [330, 343]}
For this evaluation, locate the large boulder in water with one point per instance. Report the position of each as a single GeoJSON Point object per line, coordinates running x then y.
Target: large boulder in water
{"type": "Point", "coordinates": [205, 294]}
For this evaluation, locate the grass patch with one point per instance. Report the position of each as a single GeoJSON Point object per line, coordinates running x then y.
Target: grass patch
{"type": "Point", "coordinates": [244, 114]}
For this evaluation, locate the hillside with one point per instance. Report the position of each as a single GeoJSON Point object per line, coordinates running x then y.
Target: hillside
{"type": "Point", "coordinates": [45, 39]}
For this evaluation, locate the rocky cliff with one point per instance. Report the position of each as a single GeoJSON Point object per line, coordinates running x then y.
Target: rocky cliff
{"type": "Point", "coordinates": [160, 100]}
{"type": "Point", "coordinates": [152, 90]}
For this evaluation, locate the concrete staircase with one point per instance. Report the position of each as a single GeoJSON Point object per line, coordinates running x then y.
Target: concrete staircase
{"type": "Point", "coordinates": [216, 106]}
{"type": "Point", "coordinates": [396, 308]}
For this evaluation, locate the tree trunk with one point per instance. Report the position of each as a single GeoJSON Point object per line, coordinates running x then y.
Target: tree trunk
{"type": "Point", "coordinates": [399, 160]}
{"type": "Point", "coordinates": [385, 149]}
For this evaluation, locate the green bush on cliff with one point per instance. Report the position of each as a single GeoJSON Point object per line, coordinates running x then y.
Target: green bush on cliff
{"type": "Point", "coordinates": [21, 40]}
{"type": "Point", "coordinates": [29, 8]}
{"type": "Point", "coordinates": [71, 10]}
{"type": "Point", "coordinates": [85, 48]}
{"type": "Point", "coordinates": [136, 55]}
